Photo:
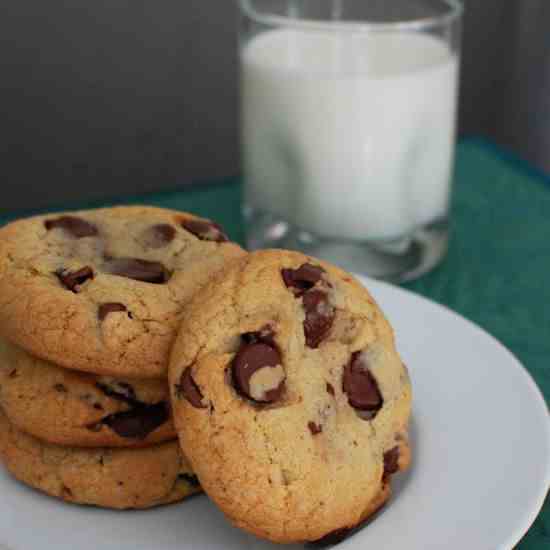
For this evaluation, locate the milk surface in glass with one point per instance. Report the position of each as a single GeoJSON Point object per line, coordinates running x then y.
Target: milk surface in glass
{"type": "Point", "coordinates": [347, 134]}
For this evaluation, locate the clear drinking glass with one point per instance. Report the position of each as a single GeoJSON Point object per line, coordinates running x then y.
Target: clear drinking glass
{"type": "Point", "coordinates": [349, 129]}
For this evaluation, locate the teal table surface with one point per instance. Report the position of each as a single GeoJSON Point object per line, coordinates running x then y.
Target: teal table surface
{"type": "Point", "coordinates": [497, 271]}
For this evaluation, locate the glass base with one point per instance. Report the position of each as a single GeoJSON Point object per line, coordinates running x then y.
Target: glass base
{"type": "Point", "coordinates": [395, 260]}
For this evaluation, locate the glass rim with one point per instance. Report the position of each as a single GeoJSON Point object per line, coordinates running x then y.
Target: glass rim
{"type": "Point", "coordinates": [455, 9]}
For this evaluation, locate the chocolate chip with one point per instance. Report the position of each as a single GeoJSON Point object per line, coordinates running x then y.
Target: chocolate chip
{"type": "Point", "coordinates": [391, 462]}
{"type": "Point", "coordinates": [188, 388]}
{"type": "Point", "coordinates": [302, 279]}
{"type": "Point", "coordinates": [330, 389]}
{"type": "Point", "coordinates": [140, 270]}
{"type": "Point", "coordinates": [190, 479]}
{"type": "Point", "coordinates": [109, 307]}
{"type": "Point", "coordinates": [61, 388]}
{"type": "Point", "coordinates": [314, 428]}
{"type": "Point", "coordinates": [257, 372]}
{"type": "Point", "coordinates": [158, 235]}
{"type": "Point", "coordinates": [139, 422]}
{"type": "Point", "coordinates": [319, 312]}
{"type": "Point", "coordinates": [13, 373]}
{"type": "Point", "coordinates": [205, 230]}
{"type": "Point", "coordinates": [361, 387]}
{"type": "Point", "coordinates": [73, 280]}
{"type": "Point", "coordinates": [98, 407]}
{"type": "Point", "coordinates": [77, 227]}
{"type": "Point", "coordinates": [121, 391]}
{"type": "Point", "coordinates": [319, 317]}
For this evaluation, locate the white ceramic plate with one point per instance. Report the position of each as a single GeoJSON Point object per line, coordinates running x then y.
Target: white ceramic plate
{"type": "Point", "coordinates": [481, 439]}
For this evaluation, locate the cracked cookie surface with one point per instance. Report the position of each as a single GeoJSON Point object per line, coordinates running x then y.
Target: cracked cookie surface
{"type": "Point", "coordinates": [110, 478]}
{"type": "Point", "coordinates": [103, 290]}
{"type": "Point", "coordinates": [67, 407]}
{"type": "Point", "coordinates": [289, 397]}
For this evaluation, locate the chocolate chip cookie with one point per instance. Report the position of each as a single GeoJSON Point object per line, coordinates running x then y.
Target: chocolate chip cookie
{"type": "Point", "coordinates": [289, 397]}
{"type": "Point", "coordinates": [103, 290]}
{"type": "Point", "coordinates": [111, 478]}
{"type": "Point", "coordinates": [67, 407]}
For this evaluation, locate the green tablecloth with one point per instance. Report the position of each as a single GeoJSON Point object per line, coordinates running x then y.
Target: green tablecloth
{"type": "Point", "coordinates": [496, 273]}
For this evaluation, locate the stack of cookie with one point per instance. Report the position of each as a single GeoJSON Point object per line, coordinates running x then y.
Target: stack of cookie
{"type": "Point", "coordinates": [90, 303]}
{"type": "Point", "coordinates": [123, 329]}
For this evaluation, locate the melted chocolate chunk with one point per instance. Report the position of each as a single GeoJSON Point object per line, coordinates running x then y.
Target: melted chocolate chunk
{"type": "Point", "coordinates": [330, 389]}
{"type": "Point", "coordinates": [109, 307]}
{"type": "Point", "coordinates": [61, 388]}
{"type": "Point", "coordinates": [139, 270]}
{"type": "Point", "coordinates": [139, 422]}
{"type": "Point", "coordinates": [73, 280]}
{"type": "Point", "coordinates": [391, 462]}
{"type": "Point", "coordinates": [319, 317]}
{"type": "Point", "coordinates": [76, 227]}
{"type": "Point", "coordinates": [205, 230]}
{"type": "Point", "coordinates": [319, 312]}
{"type": "Point", "coordinates": [158, 235]}
{"type": "Point", "coordinates": [249, 359]}
{"type": "Point", "coordinates": [302, 279]}
{"type": "Point", "coordinates": [188, 389]}
{"type": "Point", "coordinates": [314, 428]}
{"type": "Point", "coordinates": [361, 387]}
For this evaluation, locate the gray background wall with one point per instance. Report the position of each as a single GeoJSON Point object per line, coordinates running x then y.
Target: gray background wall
{"type": "Point", "coordinates": [103, 98]}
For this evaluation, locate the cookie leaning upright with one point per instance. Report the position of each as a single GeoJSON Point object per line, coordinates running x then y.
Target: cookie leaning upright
{"type": "Point", "coordinates": [289, 397]}
{"type": "Point", "coordinates": [103, 290]}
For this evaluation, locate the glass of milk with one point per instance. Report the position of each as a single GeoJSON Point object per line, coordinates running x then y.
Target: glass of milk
{"type": "Point", "coordinates": [349, 129]}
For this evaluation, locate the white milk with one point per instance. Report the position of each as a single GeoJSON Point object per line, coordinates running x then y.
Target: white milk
{"type": "Point", "coordinates": [346, 134]}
